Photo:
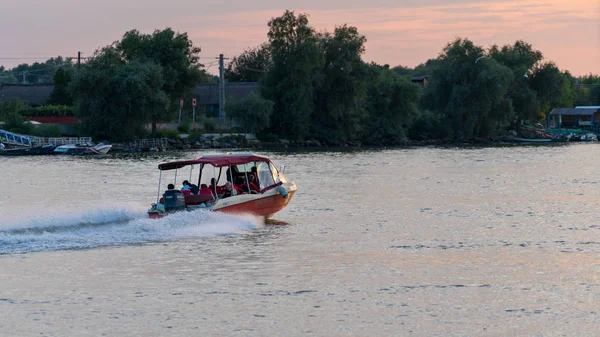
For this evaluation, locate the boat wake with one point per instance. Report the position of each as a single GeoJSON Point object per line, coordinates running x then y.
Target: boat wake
{"type": "Point", "coordinates": [114, 227]}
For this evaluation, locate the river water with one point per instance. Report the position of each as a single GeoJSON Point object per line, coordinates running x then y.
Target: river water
{"type": "Point", "coordinates": [500, 241]}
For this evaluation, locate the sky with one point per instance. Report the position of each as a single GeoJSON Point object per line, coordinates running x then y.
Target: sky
{"type": "Point", "coordinates": [398, 32]}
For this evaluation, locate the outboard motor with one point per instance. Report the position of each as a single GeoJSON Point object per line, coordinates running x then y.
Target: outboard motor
{"type": "Point", "coordinates": [174, 200]}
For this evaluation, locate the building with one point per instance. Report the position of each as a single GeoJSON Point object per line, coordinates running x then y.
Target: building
{"type": "Point", "coordinates": [422, 80]}
{"type": "Point", "coordinates": [207, 94]}
{"type": "Point", "coordinates": [32, 94]}
{"type": "Point", "coordinates": [581, 117]}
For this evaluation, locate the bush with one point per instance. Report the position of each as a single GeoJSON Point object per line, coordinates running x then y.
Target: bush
{"type": "Point", "coordinates": [47, 131]}
{"type": "Point", "coordinates": [195, 135]}
{"type": "Point", "coordinates": [172, 134]}
{"type": "Point", "coordinates": [429, 126]}
{"type": "Point", "coordinates": [210, 125]}
{"type": "Point", "coordinates": [49, 111]}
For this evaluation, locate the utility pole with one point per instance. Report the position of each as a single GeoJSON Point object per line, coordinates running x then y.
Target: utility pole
{"type": "Point", "coordinates": [78, 61]}
{"type": "Point", "coordinates": [24, 77]}
{"type": "Point", "coordinates": [221, 87]}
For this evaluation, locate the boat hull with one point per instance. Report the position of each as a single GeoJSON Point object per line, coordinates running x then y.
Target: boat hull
{"type": "Point", "coordinates": [265, 205]}
{"type": "Point", "coordinates": [28, 151]}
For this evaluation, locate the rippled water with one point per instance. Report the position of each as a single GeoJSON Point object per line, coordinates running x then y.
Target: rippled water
{"type": "Point", "coordinates": [407, 242]}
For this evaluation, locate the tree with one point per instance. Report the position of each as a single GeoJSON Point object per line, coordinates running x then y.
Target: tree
{"type": "Point", "coordinates": [391, 105]}
{"type": "Point", "coordinates": [290, 81]}
{"type": "Point", "coordinates": [250, 65]}
{"type": "Point", "coordinates": [177, 57]}
{"type": "Point", "coordinates": [587, 90]}
{"type": "Point", "coordinates": [40, 72]}
{"type": "Point", "coordinates": [10, 114]}
{"type": "Point", "coordinates": [8, 78]}
{"type": "Point", "coordinates": [553, 87]}
{"type": "Point", "coordinates": [468, 94]}
{"type": "Point", "coordinates": [114, 98]}
{"type": "Point", "coordinates": [254, 112]}
{"type": "Point", "coordinates": [60, 94]}
{"type": "Point", "coordinates": [522, 99]}
{"type": "Point", "coordinates": [340, 93]}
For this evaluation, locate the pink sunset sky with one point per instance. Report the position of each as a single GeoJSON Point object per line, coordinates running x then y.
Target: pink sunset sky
{"type": "Point", "coordinates": [399, 32]}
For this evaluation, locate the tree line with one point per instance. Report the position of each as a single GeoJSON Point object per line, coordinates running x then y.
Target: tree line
{"type": "Point", "coordinates": [315, 86]}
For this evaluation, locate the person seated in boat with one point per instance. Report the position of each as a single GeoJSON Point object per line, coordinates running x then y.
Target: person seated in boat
{"type": "Point", "coordinates": [193, 188]}
{"type": "Point", "coordinates": [251, 186]}
{"type": "Point", "coordinates": [238, 185]}
{"type": "Point", "coordinates": [215, 189]}
{"type": "Point", "coordinates": [186, 190]}
{"type": "Point", "coordinates": [229, 190]}
{"type": "Point", "coordinates": [204, 190]}
{"type": "Point", "coordinates": [254, 172]}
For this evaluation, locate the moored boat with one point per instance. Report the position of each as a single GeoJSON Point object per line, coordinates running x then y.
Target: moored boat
{"type": "Point", "coordinates": [241, 183]}
{"type": "Point", "coordinates": [83, 149]}
{"type": "Point", "coordinates": [27, 151]}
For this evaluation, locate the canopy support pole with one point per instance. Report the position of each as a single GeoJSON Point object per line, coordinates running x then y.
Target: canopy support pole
{"type": "Point", "coordinates": [159, 180]}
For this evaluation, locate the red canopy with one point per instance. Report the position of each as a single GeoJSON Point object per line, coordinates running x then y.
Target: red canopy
{"type": "Point", "coordinates": [219, 160]}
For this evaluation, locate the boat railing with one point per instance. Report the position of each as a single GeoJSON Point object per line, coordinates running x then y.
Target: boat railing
{"type": "Point", "coordinates": [151, 143]}
{"type": "Point", "coordinates": [58, 141]}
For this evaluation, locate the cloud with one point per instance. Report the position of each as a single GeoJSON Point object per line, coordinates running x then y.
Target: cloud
{"type": "Point", "coordinates": [411, 35]}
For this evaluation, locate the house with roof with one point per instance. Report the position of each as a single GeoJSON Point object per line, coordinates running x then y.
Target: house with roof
{"type": "Point", "coordinates": [31, 94]}
{"type": "Point", "coordinates": [580, 117]}
{"type": "Point", "coordinates": [207, 94]}
{"type": "Point", "coordinates": [422, 80]}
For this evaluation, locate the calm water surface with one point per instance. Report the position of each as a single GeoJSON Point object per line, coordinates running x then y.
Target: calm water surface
{"type": "Point", "coordinates": [405, 242]}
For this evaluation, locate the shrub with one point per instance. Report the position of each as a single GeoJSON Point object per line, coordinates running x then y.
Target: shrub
{"type": "Point", "coordinates": [49, 111]}
{"type": "Point", "coordinates": [47, 131]}
{"type": "Point", "coordinates": [172, 134]}
{"type": "Point", "coordinates": [210, 125]}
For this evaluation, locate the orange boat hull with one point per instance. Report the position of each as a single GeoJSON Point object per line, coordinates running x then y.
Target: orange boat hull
{"type": "Point", "coordinates": [264, 207]}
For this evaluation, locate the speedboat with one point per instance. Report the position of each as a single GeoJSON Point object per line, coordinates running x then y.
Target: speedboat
{"type": "Point", "coordinates": [219, 174]}
{"type": "Point", "coordinates": [100, 148]}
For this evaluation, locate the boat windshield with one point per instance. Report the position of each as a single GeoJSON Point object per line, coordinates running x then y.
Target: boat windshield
{"type": "Point", "coordinates": [265, 172]}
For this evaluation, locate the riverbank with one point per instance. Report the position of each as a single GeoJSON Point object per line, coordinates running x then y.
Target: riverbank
{"type": "Point", "coordinates": [240, 142]}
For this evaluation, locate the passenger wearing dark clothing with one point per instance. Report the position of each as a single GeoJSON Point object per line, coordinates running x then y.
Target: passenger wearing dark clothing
{"type": "Point", "coordinates": [229, 190]}
{"type": "Point", "coordinates": [192, 187]}
{"type": "Point", "coordinates": [215, 189]}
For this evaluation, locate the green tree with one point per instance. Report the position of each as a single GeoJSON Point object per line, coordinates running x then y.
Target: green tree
{"type": "Point", "coordinates": [522, 99]}
{"type": "Point", "coordinates": [340, 93]}
{"type": "Point", "coordinates": [8, 78]}
{"type": "Point", "coordinates": [391, 105]}
{"type": "Point", "coordinates": [10, 114]}
{"type": "Point", "coordinates": [250, 65]}
{"type": "Point", "coordinates": [553, 87]}
{"type": "Point", "coordinates": [468, 93]}
{"type": "Point", "coordinates": [60, 94]}
{"type": "Point", "coordinates": [290, 81]}
{"type": "Point", "coordinates": [177, 57]}
{"type": "Point", "coordinates": [587, 91]}
{"type": "Point", "coordinates": [254, 112]}
{"type": "Point", "coordinates": [40, 72]}
{"type": "Point", "coordinates": [114, 98]}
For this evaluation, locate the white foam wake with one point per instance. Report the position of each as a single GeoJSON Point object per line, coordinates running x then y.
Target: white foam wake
{"type": "Point", "coordinates": [114, 227]}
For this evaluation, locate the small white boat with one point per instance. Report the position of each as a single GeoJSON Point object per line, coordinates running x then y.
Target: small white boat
{"type": "Point", "coordinates": [589, 137]}
{"type": "Point", "coordinates": [82, 149]}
